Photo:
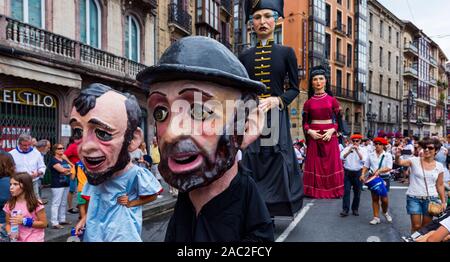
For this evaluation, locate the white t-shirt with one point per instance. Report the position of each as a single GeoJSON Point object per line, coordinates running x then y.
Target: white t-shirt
{"type": "Point", "coordinates": [299, 155]}
{"type": "Point", "coordinates": [446, 223]}
{"type": "Point", "coordinates": [416, 181]}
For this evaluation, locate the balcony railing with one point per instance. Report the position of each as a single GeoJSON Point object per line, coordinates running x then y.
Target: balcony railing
{"type": "Point", "coordinates": [411, 48]}
{"type": "Point", "coordinates": [410, 71]}
{"type": "Point", "coordinates": [339, 58]}
{"type": "Point", "coordinates": [433, 81]}
{"type": "Point", "coordinates": [227, 5]}
{"type": "Point", "coordinates": [433, 101]}
{"type": "Point", "coordinates": [433, 61]}
{"type": "Point", "coordinates": [344, 93]}
{"type": "Point", "coordinates": [60, 48]}
{"type": "Point", "coordinates": [180, 17]}
{"type": "Point", "coordinates": [340, 28]}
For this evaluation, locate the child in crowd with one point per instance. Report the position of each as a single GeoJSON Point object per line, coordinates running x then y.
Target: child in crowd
{"type": "Point", "coordinates": [30, 216]}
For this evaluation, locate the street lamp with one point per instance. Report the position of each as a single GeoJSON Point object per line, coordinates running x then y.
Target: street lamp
{"type": "Point", "coordinates": [371, 117]}
{"type": "Point", "coordinates": [419, 124]}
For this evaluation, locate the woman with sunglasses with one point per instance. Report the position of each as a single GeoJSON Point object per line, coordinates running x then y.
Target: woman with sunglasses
{"type": "Point", "coordinates": [60, 171]}
{"type": "Point", "coordinates": [379, 163]}
{"type": "Point", "coordinates": [426, 179]}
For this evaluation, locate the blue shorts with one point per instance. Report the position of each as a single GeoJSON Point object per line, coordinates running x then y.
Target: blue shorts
{"type": "Point", "coordinates": [73, 186]}
{"type": "Point", "coordinates": [418, 205]}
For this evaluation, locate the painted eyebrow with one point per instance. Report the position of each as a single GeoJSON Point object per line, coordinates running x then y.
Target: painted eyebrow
{"type": "Point", "coordinates": [156, 93]}
{"type": "Point", "coordinates": [97, 122]}
{"type": "Point", "coordinates": [204, 93]}
{"type": "Point", "coordinates": [72, 120]}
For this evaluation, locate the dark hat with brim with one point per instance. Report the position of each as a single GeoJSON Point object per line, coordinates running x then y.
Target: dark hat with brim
{"type": "Point", "coordinates": [202, 59]}
{"type": "Point", "coordinates": [251, 6]}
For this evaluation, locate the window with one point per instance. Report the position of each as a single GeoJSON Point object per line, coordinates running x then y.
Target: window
{"type": "Point", "coordinates": [381, 84]}
{"type": "Point", "coordinates": [389, 113]}
{"type": "Point", "coordinates": [370, 22]}
{"type": "Point", "coordinates": [349, 55]}
{"type": "Point", "coordinates": [381, 28]}
{"type": "Point", "coordinates": [349, 4]}
{"type": "Point", "coordinates": [347, 115]}
{"type": "Point", "coordinates": [212, 14]}
{"type": "Point", "coordinates": [339, 21]}
{"type": "Point", "coordinates": [349, 82]}
{"type": "Point", "coordinates": [327, 46]}
{"type": "Point", "coordinates": [327, 15]}
{"type": "Point", "coordinates": [370, 80]}
{"type": "Point", "coordinates": [349, 27]}
{"type": "Point", "coordinates": [389, 87]}
{"type": "Point", "coordinates": [132, 39]}
{"type": "Point", "coordinates": [380, 112]}
{"type": "Point", "coordinates": [278, 35]}
{"type": "Point", "coordinates": [339, 2]}
{"type": "Point", "coordinates": [390, 34]}
{"type": "Point", "coordinates": [381, 56]}
{"type": "Point", "coordinates": [389, 61]}
{"type": "Point", "coordinates": [370, 51]}
{"type": "Point", "coordinates": [339, 82]}
{"type": "Point", "coordinates": [397, 116]}
{"type": "Point", "coordinates": [397, 39]}
{"type": "Point", "coordinates": [29, 11]}
{"type": "Point", "coordinates": [90, 23]}
{"type": "Point", "coordinates": [396, 65]}
{"type": "Point", "coordinates": [397, 90]}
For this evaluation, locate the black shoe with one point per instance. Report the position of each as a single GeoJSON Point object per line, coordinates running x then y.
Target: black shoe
{"type": "Point", "coordinates": [355, 212]}
{"type": "Point", "coordinates": [344, 213]}
{"type": "Point", "coordinates": [73, 211]}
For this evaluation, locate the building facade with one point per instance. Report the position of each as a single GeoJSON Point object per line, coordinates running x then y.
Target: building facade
{"type": "Point", "coordinates": [384, 93]}
{"type": "Point", "coordinates": [50, 49]}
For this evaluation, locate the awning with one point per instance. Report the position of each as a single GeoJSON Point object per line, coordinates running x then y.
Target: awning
{"type": "Point", "coordinates": [19, 68]}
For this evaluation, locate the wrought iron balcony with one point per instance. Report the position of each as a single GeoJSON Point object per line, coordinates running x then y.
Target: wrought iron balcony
{"type": "Point", "coordinates": [180, 18]}
{"type": "Point", "coordinates": [412, 49]}
{"type": "Point", "coordinates": [227, 5]}
{"type": "Point", "coordinates": [344, 93]}
{"type": "Point", "coordinates": [339, 59]}
{"type": "Point", "coordinates": [62, 50]}
{"type": "Point", "coordinates": [340, 28]}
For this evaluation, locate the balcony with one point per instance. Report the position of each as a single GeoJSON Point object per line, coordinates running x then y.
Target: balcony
{"type": "Point", "coordinates": [60, 51]}
{"type": "Point", "coordinates": [227, 5]}
{"type": "Point", "coordinates": [433, 82]}
{"type": "Point", "coordinates": [411, 48]}
{"type": "Point", "coordinates": [344, 93]}
{"type": "Point", "coordinates": [433, 101]}
{"type": "Point", "coordinates": [180, 19]}
{"type": "Point", "coordinates": [339, 59]}
{"type": "Point", "coordinates": [410, 71]}
{"type": "Point", "coordinates": [433, 62]}
{"type": "Point", "coordinates": [340, 28]}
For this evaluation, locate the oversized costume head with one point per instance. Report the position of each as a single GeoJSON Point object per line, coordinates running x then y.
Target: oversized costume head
{"type": "Point", "coordinates": [104, 125]}
{"type": "Point", "coordinates": [198, 131]}
{"type": "Point", "coordinates": [319, 70]}
{"type": "Point", "coordinates": [251, 6]}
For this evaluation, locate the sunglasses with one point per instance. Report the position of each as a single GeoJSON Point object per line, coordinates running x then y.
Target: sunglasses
{"type": "Point", "coordinates": [429, 148]}
{"type": "Point", "coordinates": [59, 148]}
{"type": "Point", "coordinates": [356, 140]}
{"type": "Point", "coordinates": [377, 144]}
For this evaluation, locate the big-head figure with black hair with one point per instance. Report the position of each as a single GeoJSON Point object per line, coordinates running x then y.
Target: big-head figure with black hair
{"type": "Point", "coordinates": [105, 128]}
{"type": "Point", "coordinates": [323, 171]}
{"type": "Point", "coordinates": [205, 110]}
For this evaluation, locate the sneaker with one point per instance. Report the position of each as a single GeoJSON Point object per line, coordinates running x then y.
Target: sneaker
{"type": "Point", "coordinates": [407, 239]}
{"type": "Point", "coordinates": [355, 212]}
{"type": "Point", "coordinates": [388, 217]}
{"type": "Point", "coordinates": [375, 220]}
{"type": "Point", "coordinates": [344, 213]}
{"type": "Point", "coordinates": [73, 211]}
{"type": "Point", "coordinates": [159, 196]}
{"type": "Point", "coordinates": [57, 227]}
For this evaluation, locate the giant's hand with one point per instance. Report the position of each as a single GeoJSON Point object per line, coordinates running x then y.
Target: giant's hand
{"type": "Point", "coordinates": [265, 104]}
{"type": "Point", "coordinates": [328, 134]}
{"type": "Point", "coordinates": [315, 134]}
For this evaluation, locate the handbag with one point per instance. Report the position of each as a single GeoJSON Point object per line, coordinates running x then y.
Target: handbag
{"type": "Point", "coordinates": [434, 208]}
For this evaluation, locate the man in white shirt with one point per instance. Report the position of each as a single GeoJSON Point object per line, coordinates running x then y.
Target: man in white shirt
{"type": "Point", "coordinates": [29, 160]}
{"type": "Point", "coordinates": [353, 157]}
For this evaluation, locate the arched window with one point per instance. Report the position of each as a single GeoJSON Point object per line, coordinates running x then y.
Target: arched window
{"type": "Point", "coordinates": [29, 11]}
{"type": "Point", "coordinates": [90, 23]}
{"type": "Point", "coordinates": [132, 38]}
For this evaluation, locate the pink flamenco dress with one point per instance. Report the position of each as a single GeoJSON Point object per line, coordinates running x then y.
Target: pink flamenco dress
{"type": "Point", "coordinates": [323, 171]}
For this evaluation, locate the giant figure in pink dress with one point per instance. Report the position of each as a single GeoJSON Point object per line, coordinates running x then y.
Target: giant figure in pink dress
{"type": "Point", "coordinates": [323, 171]}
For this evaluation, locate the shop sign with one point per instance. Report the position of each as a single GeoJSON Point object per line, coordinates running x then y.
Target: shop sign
{"type": "Point", "coordinates": [10, 134]}
{"type": "Point", "coordinates": [27, 96]}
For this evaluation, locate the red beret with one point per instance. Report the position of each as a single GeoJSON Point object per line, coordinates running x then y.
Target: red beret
{"type": "Point", "coordinates": [302, 141]}
{"type": "Point", "coordinates": [356, 136]}
{"type": "Point", "coordinates": [380, 140]}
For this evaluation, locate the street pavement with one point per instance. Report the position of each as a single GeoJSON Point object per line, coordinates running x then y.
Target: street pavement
{"type": "Point", "coordinates": [319, 221]}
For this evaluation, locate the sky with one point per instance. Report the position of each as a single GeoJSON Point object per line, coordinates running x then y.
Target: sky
{"type": "Point", "coordinates": [432, 16]}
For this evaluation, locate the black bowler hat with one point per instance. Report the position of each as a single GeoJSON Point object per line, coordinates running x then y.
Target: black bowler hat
{"type": "Point", "coordinates": [251, 6]}
{"type": "Point", "coordinates": [203, 59]}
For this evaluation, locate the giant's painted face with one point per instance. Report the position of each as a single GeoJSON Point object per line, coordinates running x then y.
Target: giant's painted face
{"type": "Point", "coordinates": [264, 23]}
{"type": "Point", "coordinates": [191, 118]}
{"type": "Point", "coordinates": [100, 137]}
{"type": "Point", "coordinates": [319, 82]}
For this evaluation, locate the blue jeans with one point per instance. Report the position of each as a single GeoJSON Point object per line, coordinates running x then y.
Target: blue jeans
{"type": "Point", "coordinates": [418, 205]}
{"type": "Point", "coordinates": [351, 179]}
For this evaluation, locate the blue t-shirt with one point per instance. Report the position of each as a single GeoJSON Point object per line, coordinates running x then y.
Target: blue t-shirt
{"type": "Point", "coordinates": [58, 179]}
{"type": "Point", "coordinates": [108, 221]}
{"type": "Point", "coordinates": [4, 196]}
